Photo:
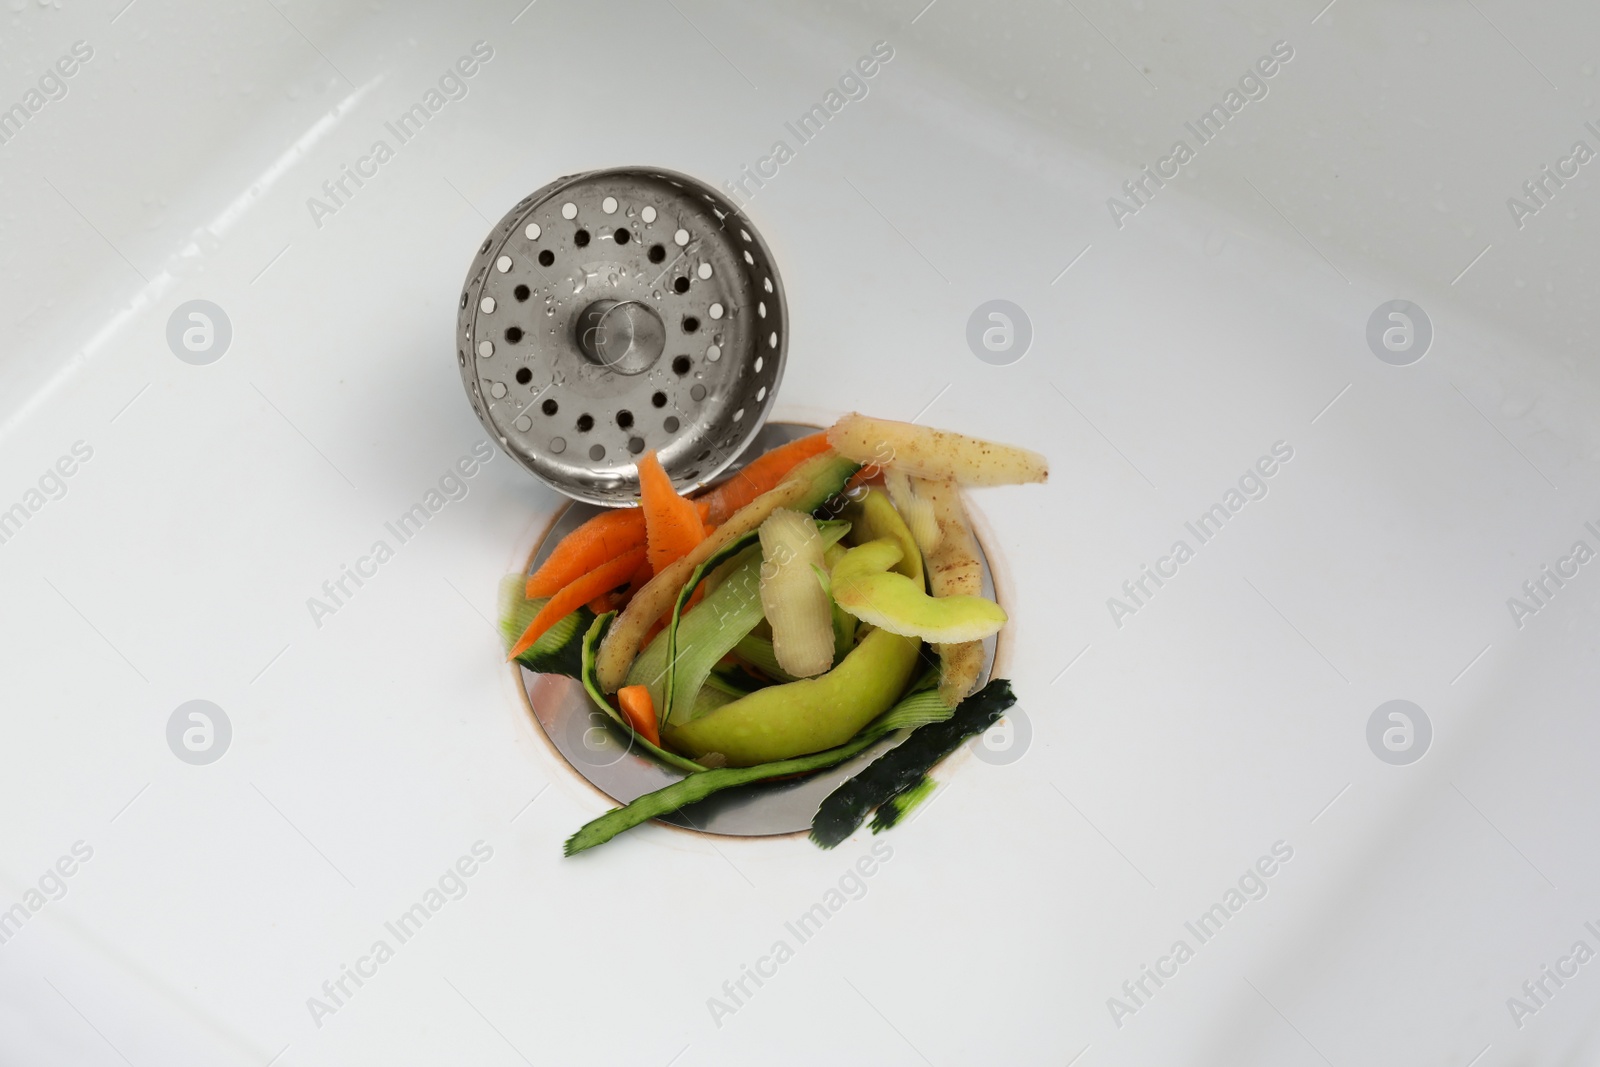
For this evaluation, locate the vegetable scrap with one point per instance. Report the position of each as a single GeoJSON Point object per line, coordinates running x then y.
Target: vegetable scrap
{"type": "Point", "coordinates": [774, 625]}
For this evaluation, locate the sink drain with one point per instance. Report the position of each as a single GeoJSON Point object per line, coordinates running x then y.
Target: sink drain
{"type": "Point", "coordinates": [605, 756]}
{"type": "Point", "coordinates": [617, 311]}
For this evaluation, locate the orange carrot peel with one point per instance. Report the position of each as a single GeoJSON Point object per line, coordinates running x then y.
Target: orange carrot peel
{"type": "Point", "coordinates": [598, 541]}
{"type": "Point", "coordinates": [672, 522]}
{"type": "Point", "coordinates": [574, 595]}
{"type": "Point", "coordinates": [640, 711]}
{"type": "Point", "coordinates": [760, 475]}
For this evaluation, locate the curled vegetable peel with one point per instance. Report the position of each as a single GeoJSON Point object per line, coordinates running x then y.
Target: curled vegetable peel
{"type": "Point", "coordinates": [864, 586]}
{"type": "Point", "coordinates": [806, 487]}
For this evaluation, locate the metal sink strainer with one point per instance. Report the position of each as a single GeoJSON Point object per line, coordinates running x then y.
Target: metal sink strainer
{"type": "Point", "coordinates": [617, 311]}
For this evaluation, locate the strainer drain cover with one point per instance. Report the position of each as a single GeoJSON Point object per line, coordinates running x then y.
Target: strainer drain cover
{"type": "Point", "coordinates": [617, 311]}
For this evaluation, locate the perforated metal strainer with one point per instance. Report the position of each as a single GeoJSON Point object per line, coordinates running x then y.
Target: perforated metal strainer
{"type": "Point", "coordinates": [617, 311]}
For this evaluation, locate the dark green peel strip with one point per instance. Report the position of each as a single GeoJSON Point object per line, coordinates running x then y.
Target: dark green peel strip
{"type": "Point", "coordinates": [697, 787]}
{"type": "Point", "coordinates": [897, 807]}
{"type": "Point", "coordinates": [842, 813]}
{"type": "Point", "coordinates": [910, 713]}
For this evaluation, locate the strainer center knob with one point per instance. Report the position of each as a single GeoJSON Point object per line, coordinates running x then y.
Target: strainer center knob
{"type": "Point", "coordinates": [621, 335]}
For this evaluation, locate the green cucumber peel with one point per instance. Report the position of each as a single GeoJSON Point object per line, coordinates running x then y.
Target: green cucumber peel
{"type": "Point", "coordinates": [901, 768]}
{"type": "Point", "coordinates": [864, 586]}
{"type": "Point", "coordinates": [674, 693]}
{"type": "Point", "coordinates": [735, 681]}
{"type": "Point", "coordinates": [844, 623]}
{"type": "Point", "coordinates": [909, 714]}
{"type": "Point", "coordinates": [902, 803]}
{"type": "Point", "coordinates": [591, 642]}
{"type": "Point", "coordinates": [740, 599]}
{"type": "Point", "coordinates": [757, 651]}
{"type": "Point", "coordinates": [560, 649]}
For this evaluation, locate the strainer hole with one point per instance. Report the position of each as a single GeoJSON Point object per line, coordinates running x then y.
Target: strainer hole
{"type": "Point", "coordinates": [581, 238]}
{"type": "Point", "coordinates": [657, 253]}
{"type": "Point", "coordinates": [698, 392]}
{"type": "Point", "coordinates": [681, 365]}
{"type": "Point", "coordinates": [659, 400]}
{"type": "Point", "coordinates": [761, 394]}
{"type": "Point", "coordinates": [521, 292]}
{"type": "Point", "coordinates": [772, 340]}
{"type": "Point", "coordinates": [585, 423]}
{"type": "Point", "coordinates": [766, 283]}
{"type": "Point", "coordinates": [621, 237]}
{"type": "Point", "coordinates": [513, 334]}
{"type": "Point", "coordinates": [550, 407]}
{"type": "Point", "coordinates": [702, 457]}
{"type": "Point", "coordinates": [546, 258]}
{"type": "Point", "coordinates": [681, 285]}
{"type": "Point", "coordinates": [597, 451]}
{"type": "Point", "coordinates": [738, 416]}
{"type": "Point", "coordinates": [690, 324]}
{"type": "Point", "coordinates": [748, 258]}
{"type": "Point", "coordinates": [636, 445]}
{"type": "Point", "coordinates": [670, 424]}
{"type": "Point", "coordinates": [524, 375]}
{"type": "Point", "coordinates": [625, 419]}
{"type": "Point", "coordinates": [558, 445]}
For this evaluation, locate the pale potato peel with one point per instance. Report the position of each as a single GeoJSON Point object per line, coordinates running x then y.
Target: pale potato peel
{"type": "Point", "coordinates": [626, 635]}
{"type": "Point", "coordinates": [935, 454]}
{"type": "Point", "coordinates": [916, 511]}
{"type": "Point", "coordinates": [953, 570]}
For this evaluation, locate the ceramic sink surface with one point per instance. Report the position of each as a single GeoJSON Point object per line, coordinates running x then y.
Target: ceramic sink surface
{"type": "Point", "coordinates": [1205, 836]}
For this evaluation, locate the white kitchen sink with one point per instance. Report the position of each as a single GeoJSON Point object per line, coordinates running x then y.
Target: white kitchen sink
{"type": "Point", "coordinates": [1208, 756]}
